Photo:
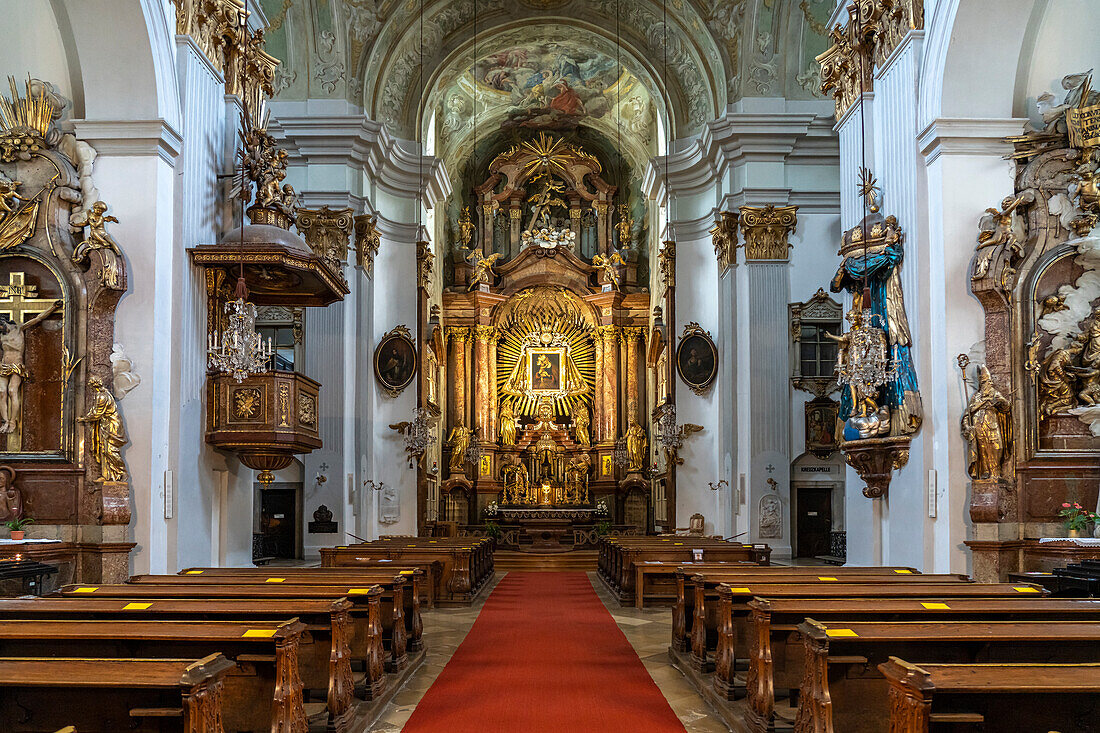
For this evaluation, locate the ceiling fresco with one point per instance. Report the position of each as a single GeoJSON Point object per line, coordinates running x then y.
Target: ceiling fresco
{"type": "Point", "coordinates": [709, 54]}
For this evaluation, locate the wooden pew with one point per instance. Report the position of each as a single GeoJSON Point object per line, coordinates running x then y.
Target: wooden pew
{"type": "Point", "coordinates": [331, 576]}
{"type": "Point", "coordinates": [655, 580]}
{"type": "Point", "coordinates": [264, 694]}
{"type": "Point", "coordinates": [621, 555]}
{"type": "Point", "coordinates": [366, 639]}
{"type": "Point", "coordinates": [328, 621]}
{"type": "Point", "coordinates": [1043, 697]}
{"type": "Point", "coordinates": [775, 647]}
{"type": "Point", "coordinates": [684, 608]}
{"type": "Point", "coordinates": [111, 695]}
{"type": "Point", "coordinates": [465, 568]}
{"type": "Point", "coordinates": [725, 630]}
{"type": "Point", "coordinates": [395, 633]}
{"type": "Point", "coordinates": [400, 598]}
{"type": "Point", "coordinates": [843, 691]}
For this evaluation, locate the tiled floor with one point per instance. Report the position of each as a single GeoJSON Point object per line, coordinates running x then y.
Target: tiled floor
{"type": "Point", "coordinates": [648, 632]}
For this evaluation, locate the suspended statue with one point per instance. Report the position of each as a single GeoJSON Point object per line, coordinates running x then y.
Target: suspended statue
{"type": "Point", "coordinates": [987, 427]}
{"type": "Point", "coordinates": [465, 229]}
{"type": "Point", "coordinates": [483, 268]}
{"type": "Point", "coordinates": [876, 262]}
{"type": "Point", "coordinates": [609, 266]}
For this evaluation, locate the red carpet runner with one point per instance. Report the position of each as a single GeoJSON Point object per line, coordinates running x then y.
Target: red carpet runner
{"type": "Point", "coordinates": [544, 655]}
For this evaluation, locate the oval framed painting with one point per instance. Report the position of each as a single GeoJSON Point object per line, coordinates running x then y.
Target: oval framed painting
{"type": "Point", "coordinates": [395, 361]}
{"type": "Point", "coordinates": [696, 358]}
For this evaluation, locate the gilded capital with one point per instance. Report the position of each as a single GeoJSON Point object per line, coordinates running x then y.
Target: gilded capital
{"type": "Point", "coordinates": [485, 333]}
{"type": "Point", "coordinates": [767, 231]}
{"type": "Point", "coordinates": [724, 236]}
{"type": "Point", "coordinates": [458, 334]}
{"type": "Point", "coordinates": [515, 214]}
{"type": "Point", "coordinates": [633, 334]}
{"type": "Point", "coordinates": [425, 262]}
{"type": "Point", "coordinates": [575, 213]}
{"type": "Point", "coordinates": [666, 260]}
{"type": "Point", "coordinates": [327, 232]}
{"type": "Point", "coordinates": [367, 241]}
{"type": "Point", "coordinates": [608, 333]}
{"type": "Point", "coordinates": [600, 207]}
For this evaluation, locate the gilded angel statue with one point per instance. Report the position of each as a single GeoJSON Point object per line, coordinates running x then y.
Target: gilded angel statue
{"type": "Point", "coordinates": [97, 238]}
{"type": "Point", "coordinates": [483, 268]}
{"type": "Point", "coordinates": [609, 264]}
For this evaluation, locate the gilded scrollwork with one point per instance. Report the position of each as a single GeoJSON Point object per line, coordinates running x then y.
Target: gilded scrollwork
{"type": "Point", "coordinates": [247, 403]}
{"type": "Point", "coordinates": [724, 237]}
{"type": "Point", "coordinates": [327, 231]}
{"type": "Point", "coordinates": [368, 240]}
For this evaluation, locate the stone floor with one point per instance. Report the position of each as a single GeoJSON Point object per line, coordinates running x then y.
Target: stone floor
{"type": "Point", "coordinates": [648, 631]}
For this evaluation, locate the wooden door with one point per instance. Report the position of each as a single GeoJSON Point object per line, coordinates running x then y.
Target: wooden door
{"type": "Point", "coordinates": [814, 522]}
{"type": "Point", "coordinates": [278, 522]}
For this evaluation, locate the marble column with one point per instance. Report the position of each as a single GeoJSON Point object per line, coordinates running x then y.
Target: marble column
{"type": "Point", "coordinates": [603, 225]}
{"type": "Point", "coordinates": [494, 397]}
{"type": "Point", "coordinates": [458, 335]}
{"type": "Point", "coordinates": [632, 336]}
{"type": "Point", "coordinates": [482, 388]}
{"type": "Point", "coordinates": [610, 337]}
{"type": "Point", "coordinates": [515, 227]}
{"type": "Point", "coordinates": [486, 228]}
{"type": "Point", "coordinates": [597, 397]}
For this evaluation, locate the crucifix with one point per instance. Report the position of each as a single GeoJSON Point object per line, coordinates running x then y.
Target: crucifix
{"type": "Point", "coordinates": [17, 301]}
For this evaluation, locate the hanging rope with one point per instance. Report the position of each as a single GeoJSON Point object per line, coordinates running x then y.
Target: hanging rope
{"type": "Point", "coordinates": [668, 121]}
{"type": "Point", "coordinates": [420, 135]}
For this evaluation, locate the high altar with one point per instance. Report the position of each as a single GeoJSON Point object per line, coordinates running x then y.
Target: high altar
{"type": "Point", "coordinates": [542, 346]}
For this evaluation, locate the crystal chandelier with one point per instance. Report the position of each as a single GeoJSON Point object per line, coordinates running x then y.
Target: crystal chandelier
{"type": "Point", "coordinates": [620, 454]}
{"type": "Point", "coordinates": [474, 453]}
{"type": "Point", "coordinates": [418, 434]}
{"type": "Point", "coordinates": [867, 366]}
{"type": "Point", "coordinates": [239, 350]}
{"type": "Point", "coordinates": [669, 434]}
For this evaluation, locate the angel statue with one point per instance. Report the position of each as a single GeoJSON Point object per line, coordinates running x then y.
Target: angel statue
{"type": "Point", "coordinates": [483, 268]}
{"type": "Point", "coordinates": [542, 201]}
{"type": "Point", "coordinates": [97, 239]}
{"type": "Point", "coordinates": [1000, 230]}
{"type": "Point", "coordinates": [608, 265]}
{"type": "Point", "coordinates": [107, 434]}
{"type": "Point", "coordinates": [987, 427]}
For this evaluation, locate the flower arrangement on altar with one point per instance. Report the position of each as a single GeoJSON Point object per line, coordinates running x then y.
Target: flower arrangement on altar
{"type": "Point", "coordinates": [1075, 518]}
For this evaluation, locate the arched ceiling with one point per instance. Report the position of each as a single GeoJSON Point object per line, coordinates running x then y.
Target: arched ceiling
{"type": "Point", "coordinates": [367, 51]}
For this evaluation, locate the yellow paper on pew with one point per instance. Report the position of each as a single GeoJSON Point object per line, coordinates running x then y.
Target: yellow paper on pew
{"type": "Point", "coordinates": [86, 589]}
{"type": "Point", "coordinates": [739, 590]}
{"type": "Point", "coordinates": [406, 572]}
{"type": "Point", "coordinates": [825, 577]}
{"type": "Point", "coordinates": [1024, 589]}
{"type": "Point", "coordinates": [936, 606]}
{"type": "Point", "coordinates": [904, 572]}
{"type": "Point", "coordinates": [840, 633]}
{"type": "Point", "coordinates": [136, 606]}
{"type": "Point", "coordinates": [259, 633]}
{"type": "Point", "coordinates": [410, 545]}
{"type": "Point", "coordinates": [677, 543]}
{"type": "Point", "coordinates": [194, 572]}
{"type": "Point", "coordinates": [358, 591]}
{"type": "Point", "coordinates": [432, 542]}
{"type": "Point", "coordinates": [275, 580]}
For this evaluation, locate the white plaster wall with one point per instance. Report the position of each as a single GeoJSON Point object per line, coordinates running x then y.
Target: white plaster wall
{"type": "Point", "coordinates": [31, 43]}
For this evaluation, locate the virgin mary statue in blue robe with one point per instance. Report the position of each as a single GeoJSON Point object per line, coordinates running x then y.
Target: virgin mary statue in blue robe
{"type": "Point", "coordinates": [879, 266]}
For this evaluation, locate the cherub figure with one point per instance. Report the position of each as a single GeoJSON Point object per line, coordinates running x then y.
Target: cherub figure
{"type": "Point", "coordinates": [609, 265]}
{"type": "Point", "coordinates": [483, 268]}
{"type": "Point", "coordinates": [7, 195]}
{"type": "Point", "coordinates": [97, 238]}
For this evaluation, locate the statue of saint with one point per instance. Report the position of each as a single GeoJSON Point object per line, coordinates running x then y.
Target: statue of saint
{"type": "Point", "coordinates": [1057, 380]}
{"type": "Point", "coordinates": [13, 370]}
{"type": "Point", "coordinates": [507, 424]}
{"type": "Point", "coordinates": [1090, 365]}
{"type": "Point", "coordinates": [581, 426]}
{"type": "Point", "coordinates": [483, 268]}
{"type": "Point", "coordinates": [107, 433]}
{"type": "Point", "coordinates": [543, 200]}
{"type": "Point", "coordinates": [987, 426]}
{"type": "Point", "coordinates": [11, 499]}
{"type": "Point", "coordinates": [636, 445]}
{"type": "Point", "coordinates": [625, 227]}
{"type": "Point", "coordinates": [465, 228]}
{"type": "Point", "coordinates": [460, 441]}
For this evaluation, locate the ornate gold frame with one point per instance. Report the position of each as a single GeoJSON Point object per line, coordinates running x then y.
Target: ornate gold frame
{"type": "Point", "coordinates": [400, 333]}
{"type": "Point", "coordinates": [694, 329]}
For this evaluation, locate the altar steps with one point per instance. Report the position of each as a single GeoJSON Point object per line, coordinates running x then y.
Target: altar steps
{"type": "Point", "coordinates": [577, 560]}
